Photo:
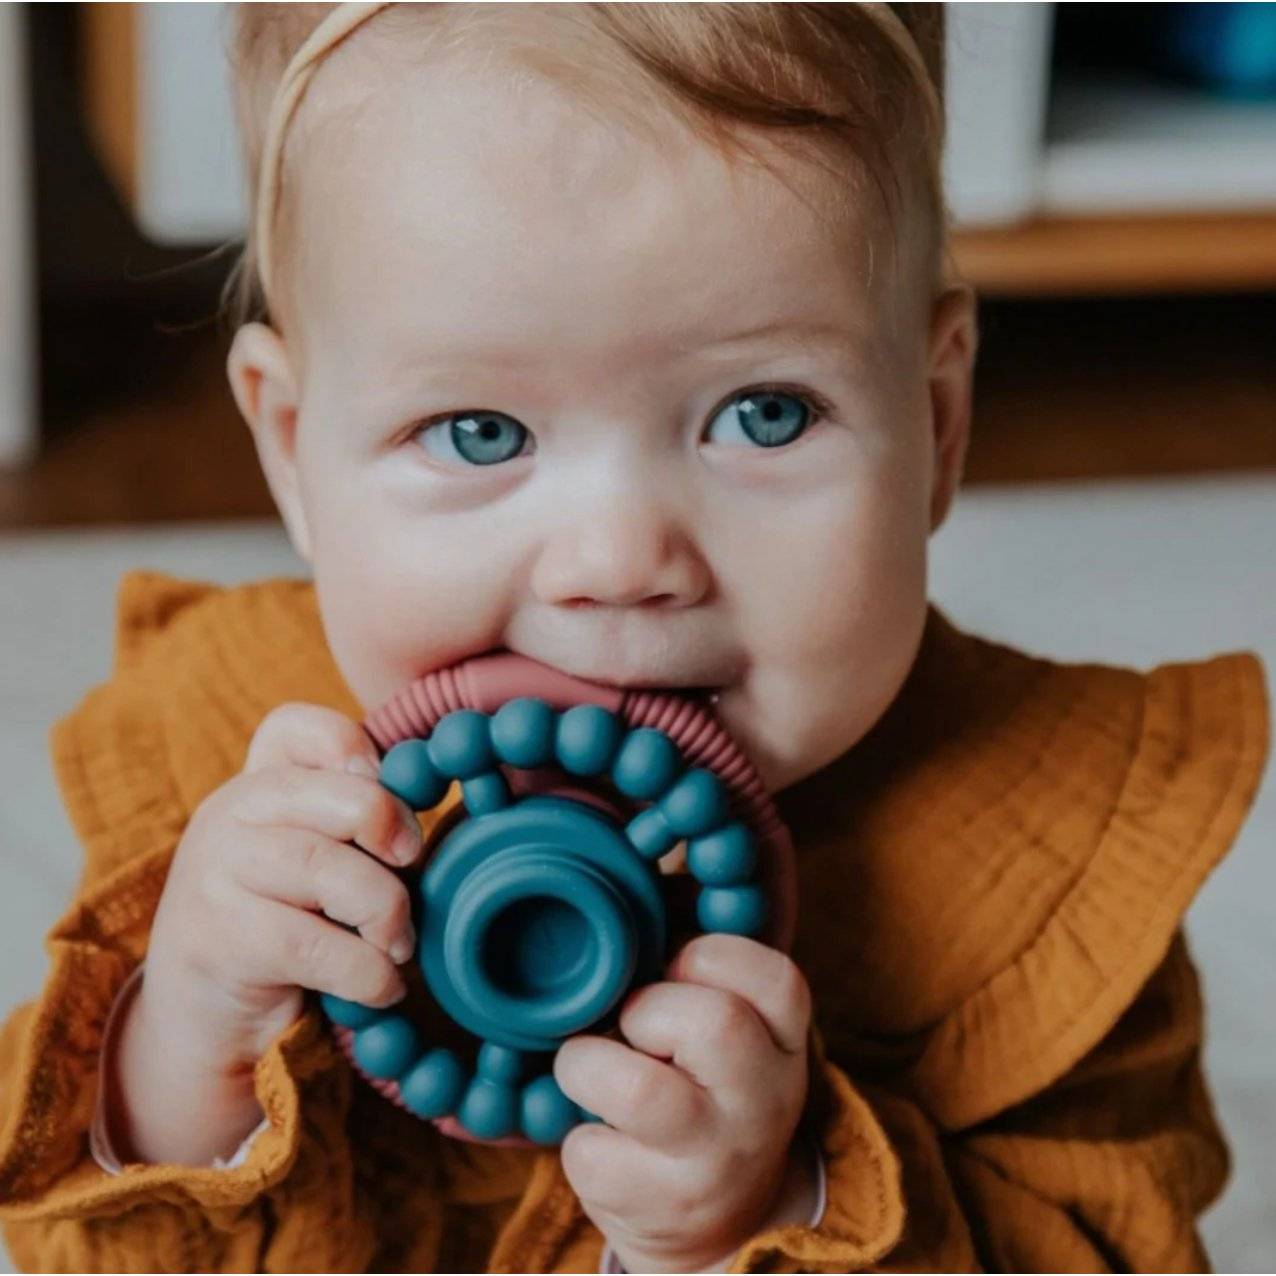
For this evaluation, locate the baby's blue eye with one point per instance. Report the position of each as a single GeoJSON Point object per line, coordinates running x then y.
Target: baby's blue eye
{"type": "Point", "coordinates": [769, 418]}
{"type": "Point", "coordinates": [474, 438]}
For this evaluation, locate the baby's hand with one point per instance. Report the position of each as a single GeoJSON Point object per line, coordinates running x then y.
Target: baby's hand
{"type": "Point", "coordinates": [702, 1109]}
{"type": "Point", "coordinates": [242, 924]}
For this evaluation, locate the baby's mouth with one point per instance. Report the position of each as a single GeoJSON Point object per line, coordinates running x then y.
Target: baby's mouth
{"type": "Point", "coordinates": [705, 692]}
{"type": "Point", "coordinates": [700, 694]}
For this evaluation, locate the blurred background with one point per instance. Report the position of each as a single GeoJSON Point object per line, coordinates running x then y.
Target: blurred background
{"type": "Point", "coordinates": [1112, 171]}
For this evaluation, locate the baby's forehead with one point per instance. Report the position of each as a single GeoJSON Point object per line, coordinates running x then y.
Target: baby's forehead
{"type": "Point", "coordinates": [573, 105]}
{"type": "Point", "coordinates": [514, 50]}
{"type": "Point", "coordinates": [454, 174]}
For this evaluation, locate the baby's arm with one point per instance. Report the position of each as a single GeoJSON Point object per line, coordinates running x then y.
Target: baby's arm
{"type": "Point", "coordinates": [237, 934]}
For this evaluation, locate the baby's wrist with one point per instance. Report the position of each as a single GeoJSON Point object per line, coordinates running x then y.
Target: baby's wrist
{"type": "Point", "coordinates": [166, 1100]}
{"type": "Point", "coordinates": [180, 1031]}
{"type": "Point", "coordinates": [792, 1203]}
{"type": "Point", "coordinates": [205, 1026]}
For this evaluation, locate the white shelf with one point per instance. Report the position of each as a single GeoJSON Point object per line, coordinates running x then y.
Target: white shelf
{"type": "Point", "coordinates": [1125, 144]}
{"type": "Point", "coordinates": [190, 178]}
{"type": "Point", "coordinates": [996, 67]}
{"type": "Point", "coordinates": [18, 431]}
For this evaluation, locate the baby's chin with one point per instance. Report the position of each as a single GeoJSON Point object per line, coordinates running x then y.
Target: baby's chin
{"type": "Point", "coordinates": [783, 746]}
{"type": "Point", "coordinates": [792, 722]}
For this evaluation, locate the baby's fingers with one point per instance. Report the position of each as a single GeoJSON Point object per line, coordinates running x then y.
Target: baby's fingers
{"type": "Point", "coordinates": [634, 1093]}
{"type": "Point", "coordinates": [717, 1039]}
{"type": "Point", "coordinates": [310, 735]}
{"type": "Point", "coordinates": [614, 1175]}
{"type": "Point", "coordinates": [768, 980]}
{"type": "Point", "coordinates": [310, 871]}
{"type": "Point", "coordinates": [292, 948]}
{"type": "Point", "coordinates": [345, 807]}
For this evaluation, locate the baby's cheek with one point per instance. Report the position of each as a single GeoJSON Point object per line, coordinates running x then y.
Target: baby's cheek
{"type": "Point", "coordinates": [850, 572]}
{"type": "Point", "coordinates": [392, 610]}
{"type": "Point", "coordinates": [872, 579]}
{"type": "Point", "coordinates": [835, 629]}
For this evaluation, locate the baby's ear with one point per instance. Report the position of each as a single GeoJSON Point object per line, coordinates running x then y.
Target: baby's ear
{"type": "Point", "coordinates": [262, 381]}
{"type": "Point", "coordinates": [954, 338]}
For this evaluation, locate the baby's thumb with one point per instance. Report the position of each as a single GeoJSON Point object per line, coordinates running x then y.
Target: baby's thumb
{"type": "Point", "coordinates": [311, 735]}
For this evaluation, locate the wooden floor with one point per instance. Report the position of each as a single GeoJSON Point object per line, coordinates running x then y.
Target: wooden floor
{"type": "Point", "coordinates": [141, 426]}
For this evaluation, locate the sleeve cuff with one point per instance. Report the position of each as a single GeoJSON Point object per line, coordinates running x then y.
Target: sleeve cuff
{"type": "Point", "coordinates": [609, 1263]}
{"type": "Point", "coordinates": [861, 1213]}
{"type": "Point", "coordinates": [51, 1052]}
{"type": "Point", "coordinates": [101, 1144]}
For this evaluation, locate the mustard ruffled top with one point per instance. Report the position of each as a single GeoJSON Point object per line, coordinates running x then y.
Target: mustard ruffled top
{"type": "Point", "coordinates": [1008, 1024]}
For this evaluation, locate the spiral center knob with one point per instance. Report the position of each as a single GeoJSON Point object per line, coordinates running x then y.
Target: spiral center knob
{"type": "Point", "coordinates": [538, 948]}
{"type": "Point", "coordinates": [539, 942]}
{"type": "Point", "coordinates": [536, 919]}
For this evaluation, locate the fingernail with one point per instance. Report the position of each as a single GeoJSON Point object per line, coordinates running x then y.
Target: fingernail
{"type": "Point", "coordinates": [407, 844]}
{"type": "Point", "coordinates": [359, 765]}
{"type": "Point", "coordinates": [401, 949]}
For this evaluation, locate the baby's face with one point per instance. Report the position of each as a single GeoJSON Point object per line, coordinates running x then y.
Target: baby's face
{"type": "Point", "coordinates": [622, 406]}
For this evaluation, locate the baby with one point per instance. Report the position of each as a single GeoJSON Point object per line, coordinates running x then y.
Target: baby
{"type": "Point", "coordinates": [621, 338]}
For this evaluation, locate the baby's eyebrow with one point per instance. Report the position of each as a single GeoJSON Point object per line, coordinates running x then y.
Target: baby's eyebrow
{"type": "Point", "coordinates": [782, 334]}
{"type": "Point", "coordinates": [447, 358]}
{"type": "Point", "coordinates": [834, 341]}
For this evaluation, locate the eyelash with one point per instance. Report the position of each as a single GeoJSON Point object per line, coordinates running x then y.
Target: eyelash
{"type": "Point", "coordinates": [821, 409]}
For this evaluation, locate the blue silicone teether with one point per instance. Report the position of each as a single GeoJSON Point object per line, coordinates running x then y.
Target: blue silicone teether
{"type": "Point", "coordinates": [539, 913]}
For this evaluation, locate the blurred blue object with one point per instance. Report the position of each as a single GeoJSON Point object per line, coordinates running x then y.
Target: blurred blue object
{"type": "Point", "coordinates": [1230, 48]}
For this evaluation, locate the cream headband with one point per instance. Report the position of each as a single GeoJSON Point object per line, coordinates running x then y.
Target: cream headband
{"type": "Point", "coordinates": [345, 18]}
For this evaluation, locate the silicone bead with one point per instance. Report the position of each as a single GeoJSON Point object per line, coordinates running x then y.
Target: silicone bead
{"type": "Point", "coordinates": [731, 910]}
{"type": "Point", "coordinates": [588, 736]}
{"type": "Point", "coordinates": [647, 764]}
{"type": "Point", "coordinates": [522, 732]}
{"type": "Point", "coordinates": [650, 834]}
{"type": "Point", "coordinates": [489, 1110]}
{"type": "Point", "coordinates": [387, 1048]}
{"type": "Point", "coordinates": [460, 745]}
{"type": "Point", "coordinates": [409, 774]}
{"type": "Point", "coordinates": [725, 857]}
{"type": "Point", "coordinates": [547, 1114]}
{"type": "Point", "coordinates": [696, 804]}
{"type": "Point", "coordinates": [499, 1063]}
{"type": "Point", "coordinates": [434, 1086]}
{"type": "Point", "coordinates": [349, 1014]}
{"type": "Point", "coordinates": [485, 793]}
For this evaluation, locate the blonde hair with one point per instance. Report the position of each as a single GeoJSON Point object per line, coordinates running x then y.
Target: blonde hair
{"type": "Point", "coordinates": [863, 80]}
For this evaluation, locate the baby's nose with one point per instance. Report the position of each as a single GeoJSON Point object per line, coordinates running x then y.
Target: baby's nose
{"type": "Point", "coordinates": [627, 557]}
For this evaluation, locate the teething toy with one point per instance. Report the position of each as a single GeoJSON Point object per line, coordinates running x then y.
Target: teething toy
{"type": "Point", "coordinates": [544, 907]}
